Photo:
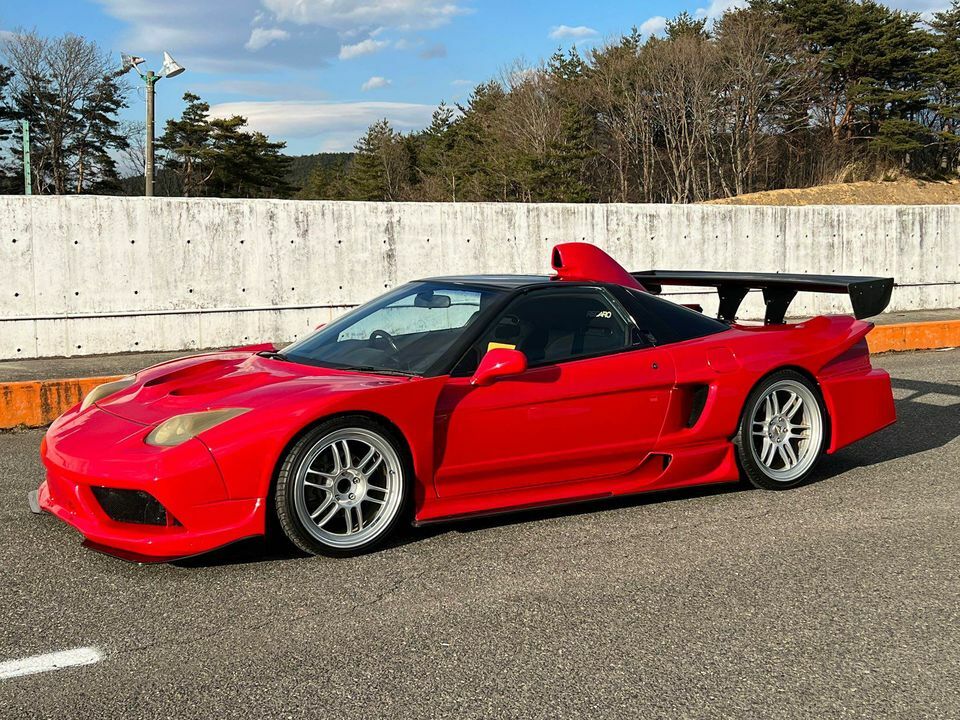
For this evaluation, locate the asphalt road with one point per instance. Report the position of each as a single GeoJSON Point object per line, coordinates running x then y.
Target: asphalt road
{"type": "Point", "coordinates": [839, 599]}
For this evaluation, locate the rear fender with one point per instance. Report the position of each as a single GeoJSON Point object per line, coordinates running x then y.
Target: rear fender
{"type": "Point", "coordinates": [859, 398]}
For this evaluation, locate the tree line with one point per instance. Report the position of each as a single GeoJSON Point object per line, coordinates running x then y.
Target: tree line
{"type": "Point", "coordinates": [781, 93]}
{"type": "Point", "coordinates": [71, 91]}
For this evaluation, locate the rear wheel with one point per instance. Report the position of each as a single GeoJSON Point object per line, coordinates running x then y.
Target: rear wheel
{"type": "Point", "coordinates": [782, 431]}
{"type": "Point", "coordinates": [341, 488]}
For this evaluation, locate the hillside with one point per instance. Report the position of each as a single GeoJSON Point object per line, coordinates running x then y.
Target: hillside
{"type": "Point", "coordinates": [899, 192]}
{"type": "Point", "coordinates": [302, 166]}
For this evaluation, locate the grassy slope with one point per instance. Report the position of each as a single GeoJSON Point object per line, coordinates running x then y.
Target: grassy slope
{"type": "Point", "coordinates": [900, 192]}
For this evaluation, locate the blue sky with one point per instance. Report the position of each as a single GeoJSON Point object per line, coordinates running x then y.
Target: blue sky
{"type": "Point", "coordinates": [316, 73]}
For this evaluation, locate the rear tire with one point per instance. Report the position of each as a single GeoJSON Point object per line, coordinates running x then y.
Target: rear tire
{"type": "Point", "coordinates": [783, 431]}
{"type": "Point", "coordinates": [342, 487]}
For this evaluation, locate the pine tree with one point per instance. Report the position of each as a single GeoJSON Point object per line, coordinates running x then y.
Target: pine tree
{"type": "Point", "coordinates": [943, 71]}
{"type": "Point", "coordinates": [245, 164]}
{"type": "Point", "coordinates": [186, 143]}
{"type": "Point", "coordinates": [328, 180]}
{"type": "Point", "coordinates": [94, 148]}
{"type": "Point", "coordinates": [685, 25]}
{"type": "Point", "coordinates": [381, 166]}
{"type": "Point", "coordinates": [432, 156]}
{"type": "Point", "coordinates": [869, 58]}
{"type": "Point", "coordinates": [477, 158]}
{"type": "Point", "coordinates": [562, 176]}
{"type": "Point", "coordinates": [10, 179]}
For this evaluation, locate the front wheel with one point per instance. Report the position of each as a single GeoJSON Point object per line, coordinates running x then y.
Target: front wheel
{"type": "Point", "coordinates": [782, 431]}
{"type": "Point", "coordinates": [341, 488]}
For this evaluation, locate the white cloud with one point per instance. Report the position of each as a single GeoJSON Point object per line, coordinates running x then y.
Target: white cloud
{"type": "Point", "coordinates": [352, 14]}
{"type": "Point", "coordinates": [566, 32]}
{"type": "Point", "coordinates": [336, 125]}
{"type": "Point", "coordinates": [247, 88]}
{"type": "Point", "coordinates": [653, 25]}
{"type": "Point", "coordinates": [461, 83]}
{"type": "Point", "coordinates": [261, 37]}
{"type": "Point", "coordinates": [375, 83]}
{"type": "Point", "coordinates": [364, 47]}
{"type": "Point", "coordinates": [716, 8]}
{"type": "Point", "coordinates": [926, 7]}
{"type": "Point", "coordinates": [205, 36]}
{"type": "Point", "coordinates": [253, 34]}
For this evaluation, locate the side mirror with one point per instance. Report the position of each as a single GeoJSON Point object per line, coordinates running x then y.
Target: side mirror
{"type": "Point", "coordinates": [499, 363]}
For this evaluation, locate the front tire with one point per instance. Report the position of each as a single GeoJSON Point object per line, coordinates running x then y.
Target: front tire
{"type": "Point", "coordinates": [782, 431]}
{"type": "Point", "coordinates": [342, 487]}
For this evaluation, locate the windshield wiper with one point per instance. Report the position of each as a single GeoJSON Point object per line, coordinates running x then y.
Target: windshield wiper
{"type": "Point", "coordinates": [272, 354]}
{"type": "Point", "coordinates": [380, 371]}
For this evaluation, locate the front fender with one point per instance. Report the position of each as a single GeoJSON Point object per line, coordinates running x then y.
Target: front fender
{"type": "Point", "coordinates": [249, 448]}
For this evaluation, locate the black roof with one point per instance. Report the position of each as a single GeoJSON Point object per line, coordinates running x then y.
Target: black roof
{"type": "Point", "coordinates": [505, 282]}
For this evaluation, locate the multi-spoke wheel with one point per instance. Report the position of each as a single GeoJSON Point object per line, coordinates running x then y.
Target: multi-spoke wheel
{"type": "Point", "coordinates": [342, 487]}
{"type": "Point", "coordinates": [782, 431]}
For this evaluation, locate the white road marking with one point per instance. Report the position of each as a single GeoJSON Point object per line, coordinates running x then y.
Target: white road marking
{"type": "Point", "coordinates": [50, 661]}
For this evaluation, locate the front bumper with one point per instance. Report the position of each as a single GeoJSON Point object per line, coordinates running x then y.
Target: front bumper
{"type": "Point", "coordinates": [97, 449]}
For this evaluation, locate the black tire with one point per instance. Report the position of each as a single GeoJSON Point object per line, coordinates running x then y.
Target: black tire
{"type": "Point", "coordinates": [292, 499]}
{"type": "Point", "coordinates": [780, 438]}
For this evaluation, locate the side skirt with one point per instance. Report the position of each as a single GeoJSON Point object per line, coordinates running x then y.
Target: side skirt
{"type": "Point", "coordinates": [510, 510]}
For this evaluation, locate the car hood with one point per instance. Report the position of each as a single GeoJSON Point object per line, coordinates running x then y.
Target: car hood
{"type": "Point", "coordinates": [229, 380]}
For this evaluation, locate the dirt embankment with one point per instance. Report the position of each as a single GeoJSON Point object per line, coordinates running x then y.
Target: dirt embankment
{"type": "Point", "coordinates": [900, 192]}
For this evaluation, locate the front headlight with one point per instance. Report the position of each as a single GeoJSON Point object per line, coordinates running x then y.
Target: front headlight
{"type": "Point", "coordinates": [102, 391]}
{"type": "Point", "coordinates": [177, 430]}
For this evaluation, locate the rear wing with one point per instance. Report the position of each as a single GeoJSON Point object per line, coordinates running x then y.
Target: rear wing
{"type": "Point", "coordinates": [868, 295]}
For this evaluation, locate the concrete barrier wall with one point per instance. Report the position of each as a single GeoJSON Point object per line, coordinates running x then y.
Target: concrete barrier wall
{"type": "Point", "coordinates": [85, 275]}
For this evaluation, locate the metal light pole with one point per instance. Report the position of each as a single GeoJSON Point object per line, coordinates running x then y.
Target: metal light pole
{"type": "Point", "coordinates": [150, 80]}
{"type": "Point", "coordinates": [171, 68]}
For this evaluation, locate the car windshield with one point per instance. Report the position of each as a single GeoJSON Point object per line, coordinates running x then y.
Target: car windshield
{"type": "Point", "coordinates": [405, 331]}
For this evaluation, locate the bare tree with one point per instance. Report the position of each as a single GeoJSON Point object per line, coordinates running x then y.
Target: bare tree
{"type": "Point", "coordinates": [682, 75]}
{"type": "Point", "coordinates": [768, 81]}
{"type": "Point", "coordinates": [133, 158]}
{"type": "Point", "coordinates": [622, 102]}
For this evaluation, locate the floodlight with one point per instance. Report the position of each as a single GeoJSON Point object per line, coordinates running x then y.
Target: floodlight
{"type": "Point", "coordinates": [171, 68]}
{"type": "Point", "coordinates": [130, 61]}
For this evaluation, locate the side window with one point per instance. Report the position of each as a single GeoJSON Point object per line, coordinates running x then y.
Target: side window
{"type": "Point", "coordinates": [551, 326]}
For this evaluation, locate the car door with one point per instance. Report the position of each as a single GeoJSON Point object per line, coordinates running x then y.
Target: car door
{"type": "Point", "coordinates": [591, 403]}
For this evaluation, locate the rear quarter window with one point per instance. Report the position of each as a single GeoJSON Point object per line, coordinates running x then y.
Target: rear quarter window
{"type": "Point", "coordinates": [669, 322]}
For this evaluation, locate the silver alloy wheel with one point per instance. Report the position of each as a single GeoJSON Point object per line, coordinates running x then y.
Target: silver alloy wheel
{"type": "Point", "coordinates": [348, 487]}
{"type": "Point", "coordinates": [786, 430]}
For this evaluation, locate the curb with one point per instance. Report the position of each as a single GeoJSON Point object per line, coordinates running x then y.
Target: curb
{"type": "Point", "coordinates": [38, 403]}
{"type": "Point", "coordinates": [914, 336]}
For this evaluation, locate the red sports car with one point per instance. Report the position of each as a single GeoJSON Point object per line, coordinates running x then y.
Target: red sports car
{"type": "Point", "coordinates": [461, 396]}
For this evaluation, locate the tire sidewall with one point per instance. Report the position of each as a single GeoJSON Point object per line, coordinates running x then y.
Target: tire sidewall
{"type": "Point", "coordinates": [285, 487]}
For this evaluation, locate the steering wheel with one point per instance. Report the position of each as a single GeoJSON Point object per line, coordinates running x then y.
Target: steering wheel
{"type": "Point", "coordinates": [385, 340]}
